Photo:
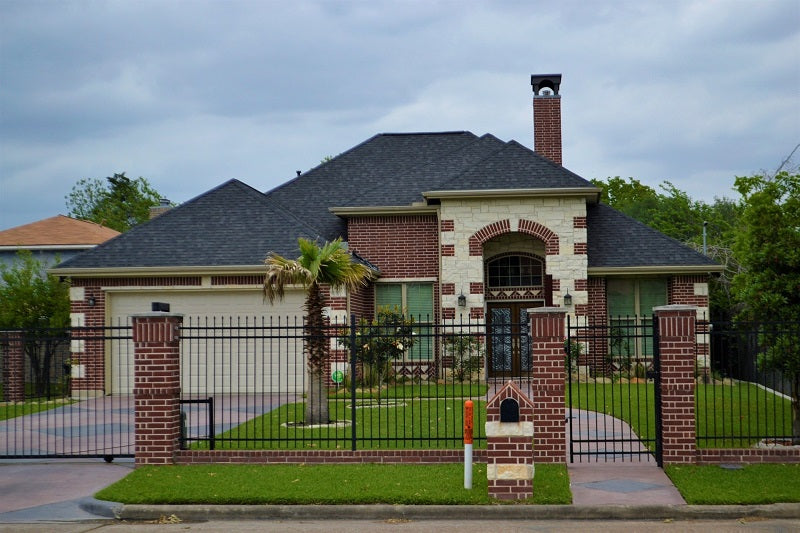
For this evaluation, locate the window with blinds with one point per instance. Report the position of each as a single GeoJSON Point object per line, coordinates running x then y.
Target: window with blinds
{"type": "Point", "coordinates": [630, 310]}
{"type": "Point", "coordinates": [416, 301]}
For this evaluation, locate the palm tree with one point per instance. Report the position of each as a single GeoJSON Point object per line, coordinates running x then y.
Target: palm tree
{"type": "Point", "coordinates": [329, 264]}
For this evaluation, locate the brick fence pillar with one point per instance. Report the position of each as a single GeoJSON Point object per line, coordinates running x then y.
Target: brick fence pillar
{"type": "Point", "coordinates": [676, 329]}
{"type": "Point", "coordinates": [548, 384]}
{"type": "Point", "coordinates": [13, 366]}
{"type": "Point", "coordinates": [156, 388]}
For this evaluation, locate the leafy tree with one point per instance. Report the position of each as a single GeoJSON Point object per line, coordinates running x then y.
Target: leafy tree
{"type": "Point", "coordinates": [674, 213]}
{"type": "Point", "coordinates": [38, 303]}
{"type": "Point", "coordinates": [329, 264]}
{"type": "Point", "coordinates": [119, 204]}
{"type": "Point", "coordinates": [768, 247]}
{"type": "Point", "coordinates": [380, 341]}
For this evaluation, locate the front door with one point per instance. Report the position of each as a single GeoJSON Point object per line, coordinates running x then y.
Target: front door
{"type": "Point", "coordinates": [508, 340]}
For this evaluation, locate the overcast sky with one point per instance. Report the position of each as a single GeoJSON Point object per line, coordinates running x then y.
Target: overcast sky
{"type": "Point", "coordinates": [189, 94]}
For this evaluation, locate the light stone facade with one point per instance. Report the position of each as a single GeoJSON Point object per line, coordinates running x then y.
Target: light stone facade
{"type": "Point", "coordinates": [471, 215]}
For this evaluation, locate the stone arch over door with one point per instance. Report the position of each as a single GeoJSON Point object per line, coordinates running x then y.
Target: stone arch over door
{"type": "Point", "coordinates": [529, 227]}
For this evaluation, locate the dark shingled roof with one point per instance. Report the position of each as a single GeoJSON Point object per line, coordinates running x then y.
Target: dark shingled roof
{"type": "Point", "coordinates": [617, 240]}
{"type": "Point", "coordinates": [232, 224]}
{"type": "Point", "coordinates": [236, 225]}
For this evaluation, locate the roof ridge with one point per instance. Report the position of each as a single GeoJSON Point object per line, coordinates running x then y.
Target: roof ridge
{"type": "Point", "coordinates": [481, 160]}
{"type": "Point", "coordinates": [472, 142]}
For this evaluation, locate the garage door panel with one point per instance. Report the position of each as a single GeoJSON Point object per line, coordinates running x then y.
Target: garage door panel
{"type": "Point", "coordinates": [232, 341]}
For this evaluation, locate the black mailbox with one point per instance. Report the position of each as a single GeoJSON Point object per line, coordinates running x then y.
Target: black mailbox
{"type": "Point", "coordinates": [159, 307]}
{"type": "Point", "coordinates": [509, 410]}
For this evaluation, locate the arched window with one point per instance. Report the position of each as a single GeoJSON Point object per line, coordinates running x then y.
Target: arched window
{"type": "Point", "coordinates": [514, 270]}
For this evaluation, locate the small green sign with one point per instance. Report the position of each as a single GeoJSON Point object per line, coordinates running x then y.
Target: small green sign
{"type": "Point", "coordinates": [337, 376]}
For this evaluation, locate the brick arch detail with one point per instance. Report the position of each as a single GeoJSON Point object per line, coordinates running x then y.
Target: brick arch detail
{"type": "Point", "coordinates": [501, 227]}
{"type": "Point", "coordinates": [494, 229]}
{"type": "Point", "coordinates": [544, 233]}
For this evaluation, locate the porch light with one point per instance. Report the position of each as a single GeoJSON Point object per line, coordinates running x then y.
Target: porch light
{"type": "Point", "coordinates": [567, 299]}
{"type": "Point", "coordinates": [462, 300]}
{"type": "Point", "coordinates": [91, 301]}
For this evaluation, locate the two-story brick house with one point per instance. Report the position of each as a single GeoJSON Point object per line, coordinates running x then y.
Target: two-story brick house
{"type": "Point", "coordinates": [459, 226]}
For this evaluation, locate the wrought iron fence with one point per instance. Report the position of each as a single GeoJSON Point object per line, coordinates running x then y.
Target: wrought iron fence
{"type": "Point", "coordinates": [58, 393]}
{"type": "Point", "coordinates": [388, 384]}
{"type": "Point", "coordinates": [745, 384]}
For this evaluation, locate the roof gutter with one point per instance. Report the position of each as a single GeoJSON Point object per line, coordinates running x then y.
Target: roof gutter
{"type": "Point", "coordinates": [591, 194]}
{"type": "Point", "coordinates": [132, 272]}
{"type": "Point", "coordinates": [420, 209]}
{"type": "Point", "coordinates": [657, 269]}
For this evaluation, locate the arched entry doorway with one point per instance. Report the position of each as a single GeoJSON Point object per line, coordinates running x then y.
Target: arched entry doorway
{"type": "Point", "coordinates": [515, 281]}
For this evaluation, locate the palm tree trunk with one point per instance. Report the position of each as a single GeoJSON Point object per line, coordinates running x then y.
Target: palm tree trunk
{"type": "Point", "coordinates": [316, 400]}
{"type": "Point", "coordinates": [796, 409]}
{"type": "Point", "coordinates": [317, 355]}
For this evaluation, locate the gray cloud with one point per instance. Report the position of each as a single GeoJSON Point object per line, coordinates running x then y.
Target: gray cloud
{"type": "Point", "coordinates": [189, 94]}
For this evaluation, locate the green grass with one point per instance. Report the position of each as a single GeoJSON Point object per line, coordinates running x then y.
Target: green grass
{"type": "Point", "coordinates": [742, 413]}
{"type": "Point", "coordinates": [417, 390]}
{"type": "Point", "coordinates": [750, 485]}
{"type": "Point", "coordinates": [29, 407]}
{"type": "Point", "coordinates": [391, 424]}
{"type": "Point", "coordinates": [736, 415]}
{"type": "Point", "coordinates": [322, 484]}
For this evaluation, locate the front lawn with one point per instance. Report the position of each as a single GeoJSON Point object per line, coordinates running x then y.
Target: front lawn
{"type": "Point", "coordinates": [746, 485]}
{"type": "Point", "coordinates": [730, 415]}
{"type": "Point", "coordinates": [391, 423]}
{"type": "Point", "coordinates": [322, 484]}
{"type": "Point", "coordinates": [28, 407]}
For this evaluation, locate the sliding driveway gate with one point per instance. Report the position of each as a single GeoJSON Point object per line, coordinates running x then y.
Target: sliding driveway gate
{"type": "Point", "coordinates": [55, 403]}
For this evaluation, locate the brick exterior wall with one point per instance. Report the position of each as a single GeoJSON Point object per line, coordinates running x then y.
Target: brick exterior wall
{"type": "Point", "coordinates": [13, 366]}
{"type": "Point", "coordinates": [400, 246]}
{"type": "Point", "coordinates": [547, 127]}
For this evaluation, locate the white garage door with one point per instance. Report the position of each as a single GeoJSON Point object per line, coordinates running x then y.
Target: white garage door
{"type": "Point", "coordinates": [232, 342]}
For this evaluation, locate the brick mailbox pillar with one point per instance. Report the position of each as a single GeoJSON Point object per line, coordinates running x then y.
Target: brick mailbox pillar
{"type": "Point", "coordinates": [509, 444]}
{"type": "Point", "coordinates": [676, 330]}
{"type": "Point", "coordinates": [156, 388]}
{"type": "Point", "coordinates": [547, 386]}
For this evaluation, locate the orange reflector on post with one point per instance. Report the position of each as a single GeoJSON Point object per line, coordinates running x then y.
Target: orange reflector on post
{"type": "Point", "coordinates": [468, 422]}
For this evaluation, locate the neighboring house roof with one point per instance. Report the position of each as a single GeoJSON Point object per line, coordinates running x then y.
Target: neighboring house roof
{"type": "Point", "coordinates": [236, 226]}
{"type": "Point", "coordinates": [56, 232]}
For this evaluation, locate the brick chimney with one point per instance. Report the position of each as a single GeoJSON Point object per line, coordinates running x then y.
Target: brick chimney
{"type": "Point", "coordinates": [547, 116]}
{"type": "Point", "coordinates": [163, 206]}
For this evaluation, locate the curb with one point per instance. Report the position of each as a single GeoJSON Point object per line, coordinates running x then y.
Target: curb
{"type": "Point", "coordinates": [453, 512]}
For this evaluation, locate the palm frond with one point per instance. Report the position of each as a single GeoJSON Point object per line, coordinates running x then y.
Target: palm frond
{"type": "Point", "coordinates": [281, 273]}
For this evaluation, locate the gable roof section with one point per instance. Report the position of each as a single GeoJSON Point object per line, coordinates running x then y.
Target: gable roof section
{"type": "Point", "coordinates": [394, 169]}
{"type": "Point", "coordinates": [236, 226]}
{"type": "Point", "coordinates": [231, 225]}
{"type": "Point", "coordinates": [56, 231]}
{"type": "Point", "coordinates": [617, 241]}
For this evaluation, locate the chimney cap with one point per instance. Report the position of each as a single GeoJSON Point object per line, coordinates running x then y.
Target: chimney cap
{"type": "Point", "coordinates": [545, 81]}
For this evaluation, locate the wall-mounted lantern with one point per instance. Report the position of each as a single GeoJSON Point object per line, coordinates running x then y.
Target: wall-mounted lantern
{"type": "Point", "coordinates": [91, 301]}
{"type": "Point", "coordinates": [567, 299]}
{"type": "Point", "coordinates": [462, 300]}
